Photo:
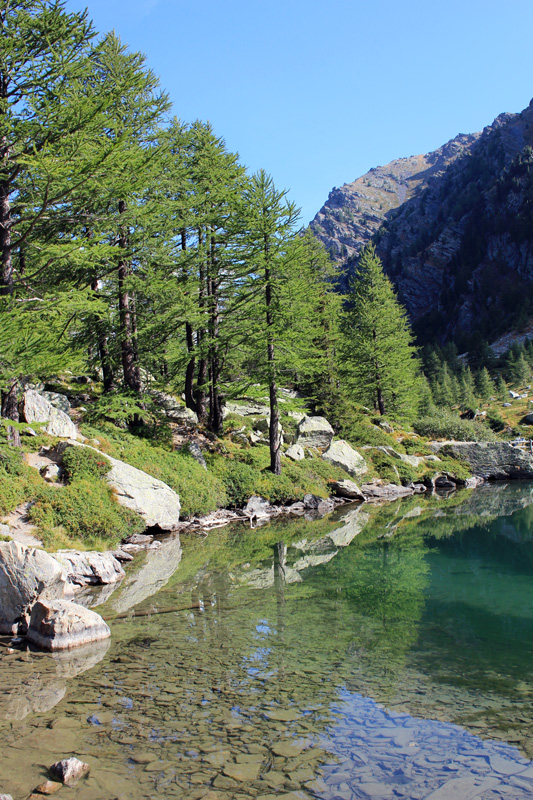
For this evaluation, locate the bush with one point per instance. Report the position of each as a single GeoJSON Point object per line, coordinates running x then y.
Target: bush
{"type": "Point", "coordinates": [240, 480]}
{"type": "Point", "coordinates": [447, 425]}
{"type": "Point", "coordinates": [17, 480]}
{"type": "Point", "coordinates": [81, 463]}
{"type": "Point", "coordinates": [85, 510]}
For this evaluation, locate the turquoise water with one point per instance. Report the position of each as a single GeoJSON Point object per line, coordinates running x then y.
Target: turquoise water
{"type": "Point", "coordinates": [382, 653]}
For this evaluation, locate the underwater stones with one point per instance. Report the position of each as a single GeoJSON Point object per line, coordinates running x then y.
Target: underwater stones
{"type": "Point", "coordinates": [60, 625]}
{"type": "Point", "coordinates": [69, 770]}
{"type": "Point", "coordinates": [242, 772]}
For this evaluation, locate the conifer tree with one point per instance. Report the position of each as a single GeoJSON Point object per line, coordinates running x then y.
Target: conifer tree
{"type": "Point", "coordinates": [273, 294]}
{"type": "Point", "coordinates": [379, 358]}
{"type": "Point", "coordinates": [484, 384]}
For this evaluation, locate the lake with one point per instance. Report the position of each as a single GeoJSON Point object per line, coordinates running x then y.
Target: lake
{"type": "Point", "coordinates": [380, 652]}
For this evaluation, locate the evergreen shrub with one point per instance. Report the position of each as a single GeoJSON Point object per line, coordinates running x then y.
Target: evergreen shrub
{"type": "Point", "coordinates": [81, 463]}
{"type": "Point", "coordinates": [447, 425]}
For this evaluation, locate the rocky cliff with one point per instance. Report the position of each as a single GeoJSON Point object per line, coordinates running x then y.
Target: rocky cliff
{"type": "Point", "coordinates": [454, 229]}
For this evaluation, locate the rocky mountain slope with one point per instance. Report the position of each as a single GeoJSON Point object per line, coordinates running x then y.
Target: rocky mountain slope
{"type": "Point", "coordinates": [454, 231]}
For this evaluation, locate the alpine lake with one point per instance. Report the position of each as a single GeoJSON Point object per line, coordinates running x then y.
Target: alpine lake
{"type": "Point", "coordinates": [379, 652]}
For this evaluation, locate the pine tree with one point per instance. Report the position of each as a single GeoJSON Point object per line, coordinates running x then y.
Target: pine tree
{"type": "Point", "coordinates": [379, 358]}
{"type": "Point", "coordinates": [484, 384]}
{"type": "Point", "coordinates": [274, 292]}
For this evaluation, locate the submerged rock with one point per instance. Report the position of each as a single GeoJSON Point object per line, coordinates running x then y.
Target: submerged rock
{"type": "Point", "coordinates": [61, 624]}
{"type": "Point", "coordinates": [69, 770]}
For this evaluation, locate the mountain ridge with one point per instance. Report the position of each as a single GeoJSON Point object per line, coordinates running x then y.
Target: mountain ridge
{"type": "Point", "coordinates": [458, 243]}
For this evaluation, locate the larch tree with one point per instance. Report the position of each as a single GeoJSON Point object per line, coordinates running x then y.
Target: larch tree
{"type": "Point", "coordinates": [277, 293]}
{"type": "Point", "coordinates": [379, 359]}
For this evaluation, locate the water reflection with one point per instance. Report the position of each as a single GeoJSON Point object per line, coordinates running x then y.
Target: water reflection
{"type": "Point", "coordinates": [334, 657]}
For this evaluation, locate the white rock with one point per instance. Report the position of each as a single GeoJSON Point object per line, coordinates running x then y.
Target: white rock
{"type": "Point", "coordinates": [342, 455]}
{"type": "Point", "coordinates": [88, 567]}
{"type": "Point", "coordinates": [61, 624]}
{"type": "Point", "coordinates": [36, 408]}
{"type": "Point", "coordinates": [69, 770]}
{"type": "Point", "coordinates": [295, 452]}
{"type": "Point", "coordinates": [26, 574]}
{"type": "Point", "coordinates": [314, 432]}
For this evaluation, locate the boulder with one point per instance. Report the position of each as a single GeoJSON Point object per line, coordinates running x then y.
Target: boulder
{"type": "Point", "coordinates": [51, 473]}
{"type": "Point", "coordinates": [314, 432]}
{"type": "Point", "coordinates": [342, 455]}
{"type": "Point", "coordinates": [26, 574]}
{"type": "Point", "coordinates": [347, 489]}
{"type": "Point", "coordinates": [69, 771]}
{"type": "Point", "coordinates": [295, 452]}
{"type": "Point", "coordinates": [313, 502]}
{"type": "Point", "coordinates": [197, 454]}
{"type": "Point", "coordinates": [36, 408]}
{"type": "Point", "coordinates": [385, 491]}
{"type": "Point", "coordinates": [490, 460]}
{"type": "Point", "coordinates": [258, 507]}
{"type": "Point", "coordinates": [61, 624]}
{"type": "Point", "coordinates": [57, 400]}
{"type": "Point", "coordinates": [91, 568]}
{"type": "Point", "coordinates": [413, 461]}
{"type": "Point", "coordinates": [250, 409]}
{"type": "Point", "coordinates": [153, 500]}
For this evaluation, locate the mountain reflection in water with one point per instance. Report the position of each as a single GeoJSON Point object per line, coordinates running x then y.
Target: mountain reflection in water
{"type": "Point", "coordinates": [383, 652]}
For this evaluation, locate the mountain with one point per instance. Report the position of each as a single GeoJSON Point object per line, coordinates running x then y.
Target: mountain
{"type": "Point", "coordinates": [454, 229]}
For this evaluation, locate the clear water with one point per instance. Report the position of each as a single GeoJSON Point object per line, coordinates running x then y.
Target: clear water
{"type": "Point", "coordinates": [382, 653]}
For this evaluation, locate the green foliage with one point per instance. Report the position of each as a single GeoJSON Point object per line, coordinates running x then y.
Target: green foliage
{"type": "Point", "coordinates": [17, 480]}
{"type": "Point", "coordinates": [80, 463]}
{"type": "Point", "coordinates": [378, 356]}
{"type": "Point", "coordinates": [85, 510]}
{"type": "Point", "coordinates": [391, 469]}
{"type": "Point", "coordinates": [447, 425]}
{"type": "Point", "coordinates": [200, 492]}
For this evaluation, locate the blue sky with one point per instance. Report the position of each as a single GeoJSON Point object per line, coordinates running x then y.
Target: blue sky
{"type": "Point", "coordinates": [317, 95]}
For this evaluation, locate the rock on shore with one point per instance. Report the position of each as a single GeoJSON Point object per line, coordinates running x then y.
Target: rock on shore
{"type": "Point", "coordinates": [490, 460]}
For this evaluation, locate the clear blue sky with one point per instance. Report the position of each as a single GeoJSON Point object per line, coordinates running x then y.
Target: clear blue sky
{"type": "Point", "coordinates": [317, 94]}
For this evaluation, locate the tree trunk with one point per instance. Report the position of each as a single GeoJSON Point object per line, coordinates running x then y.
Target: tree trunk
{"type": "Point", "coordinates": [103, 350]}
{"type": "Point", "coordinates": [200, 397]}
{"type": "Point", "coordinates": [6, 270]}
{"type": "Point", "coordinates": [215, 404]}
{"type": "Point", "coordinates": [190, 402]}
{"type": "Point", "coordinates": [274, 440]}
{"type": "Point", "coordinates": [130, 368]}
{"type": "Point", "coordinates": [10, 410]}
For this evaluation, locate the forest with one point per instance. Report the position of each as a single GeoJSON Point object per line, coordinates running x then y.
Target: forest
{"type": "Point", "coordinates": [137, 249]}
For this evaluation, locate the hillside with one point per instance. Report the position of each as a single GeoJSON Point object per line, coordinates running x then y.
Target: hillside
{"type": "Point", "coordinates": [454, 231]}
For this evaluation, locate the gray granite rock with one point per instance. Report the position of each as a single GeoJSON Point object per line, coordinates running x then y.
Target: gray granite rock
{"type": "Point", "coordinates": [490, 460]}
{"type": "Point", "coordinates": [347, 489]}
{"type": "Point", "coordinates": [341, 454]}
{"type": "Point", "coordinates": [295, 452]}
{"type": "Point", "coordinates": [61, 624]}
{"type": "Point", "coordinates": [36, 408]}
{"type": "Point", "coordinates": [26, 573]}
{"type": "Point", "coordinates": [90, 567]}
{"type": "Point", "coordinates": [314, 432]}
